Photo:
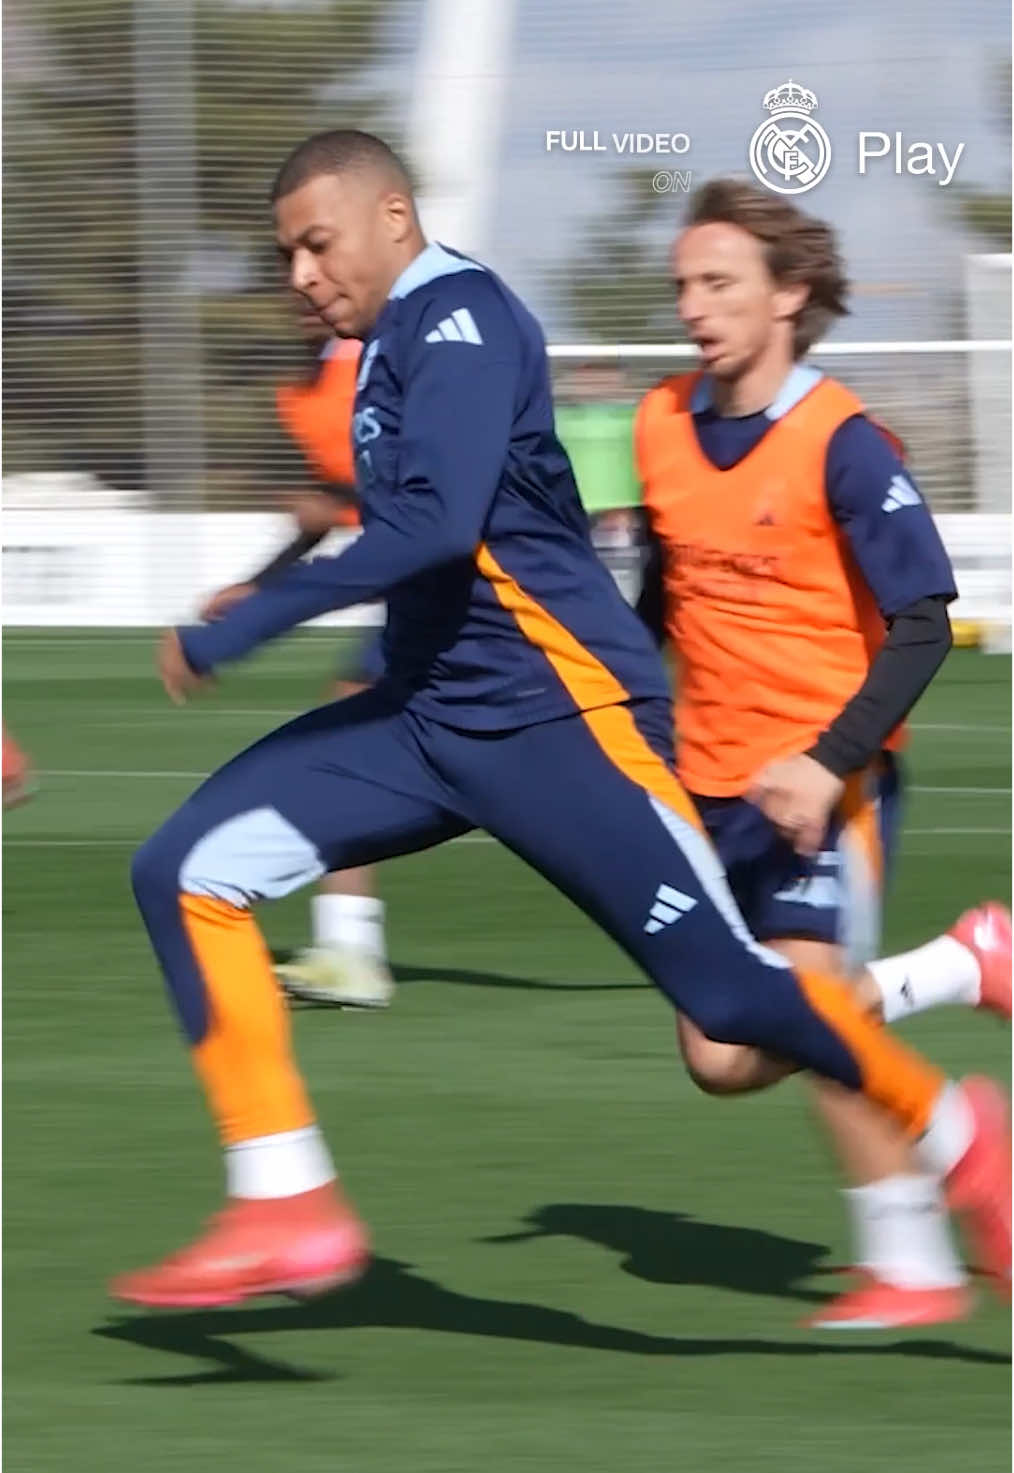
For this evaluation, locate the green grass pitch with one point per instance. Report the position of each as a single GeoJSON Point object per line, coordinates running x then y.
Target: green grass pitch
{"type": "Point", "coordinates": [582, 1263]}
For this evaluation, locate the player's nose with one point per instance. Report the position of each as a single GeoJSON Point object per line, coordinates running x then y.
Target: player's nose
{"type": "Point", "coordinates": [302, 274]}
{"type": "Point", "coordinates": [689, 306]}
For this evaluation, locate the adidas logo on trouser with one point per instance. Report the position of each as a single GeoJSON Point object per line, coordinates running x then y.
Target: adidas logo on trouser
{"type": "Point", "coordinates": [669, 905]}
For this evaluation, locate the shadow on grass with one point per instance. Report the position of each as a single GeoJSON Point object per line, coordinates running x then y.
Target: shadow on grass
{"type": "Point", "coordinates": [469, 977]}
{"type": "Point", "coordinates": [660, 1247]}
{"type": "Point", "coordinates": [675, 1248]}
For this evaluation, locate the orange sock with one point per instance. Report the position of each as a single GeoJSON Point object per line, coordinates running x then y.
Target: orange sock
{"type": "Point", "coordinates": [892, 1074]}
{"type": "Point", "coordinates": [245, 1062]}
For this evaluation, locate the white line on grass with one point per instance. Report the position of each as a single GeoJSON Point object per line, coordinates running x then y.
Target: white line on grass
{"type": "Point", "coordinates": [115, 774]}
{"type": "Point", "coordinates": [962, 726]}
{"type": "Point", "coordinates": [278, 713]}
{"type": "Point", "coordinates": [907, 833]}
{"type": "Point", "coordinates": [917, 789]}
{"type": "Point", "coordinates": [60, 641]}
{"type": "Point", "coordinates": [99, 843]}
{"type": "Point", "coordinates": [92, 772]}
{"type": "Point", "coordinates": [965, 728]}
{"type": "Point", "coordinates": [35, 636]}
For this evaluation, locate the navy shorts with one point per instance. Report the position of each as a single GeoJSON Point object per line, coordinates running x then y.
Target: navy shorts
{"type": "Point", "coordinates": [835, 897]}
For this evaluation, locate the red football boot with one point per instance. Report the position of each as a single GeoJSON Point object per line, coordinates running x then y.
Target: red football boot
{"type": "Point", "coordinates": [302, 1245]}
{"type": "Point", "coordinates": [979, 1186]}
{"type": "Point", "coordinates": [986, 932]}
{"type": "Point", "coordinates": [877, 1305]}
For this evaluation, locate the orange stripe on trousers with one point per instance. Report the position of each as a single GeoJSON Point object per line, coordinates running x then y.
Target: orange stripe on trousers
{"type": "Point", "coordinates": [245, 1062]}
{"type": "Point", "coordinates": [616, 732]}
{"type": "Point", "coordinates": [860, 820]}
{"type": "Point", "coordinates": [892, 1074]}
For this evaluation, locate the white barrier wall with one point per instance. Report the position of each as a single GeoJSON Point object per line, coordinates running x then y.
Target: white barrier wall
{"type": "Point", "coordinates": [138, 568]}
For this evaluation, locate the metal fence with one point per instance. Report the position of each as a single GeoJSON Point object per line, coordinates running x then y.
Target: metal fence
{"type": "Point", "coordinates": [145, 331]}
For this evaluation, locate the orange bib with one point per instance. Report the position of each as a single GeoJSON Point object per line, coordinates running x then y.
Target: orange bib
{"type": "Point", "coordinates": [318, 416]}
{"type": "Point", "coordinates": [772, 624]}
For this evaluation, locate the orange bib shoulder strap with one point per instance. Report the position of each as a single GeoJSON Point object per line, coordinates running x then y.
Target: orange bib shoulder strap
{"type": "Point", "coordinates": [820, 412]}
{"type": "Point", "coordinates": [661, 406]}
{"type": "Point", "coordinates": [827, 405]}
{"type": "Point", "coordinates": [318, 416]}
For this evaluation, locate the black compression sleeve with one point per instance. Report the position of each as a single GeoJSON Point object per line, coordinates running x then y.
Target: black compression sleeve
{"type": "Point", "coordinates": [343, 492]}
{"type": "Point", "coordinates": [650, 604]}
{"type": "Point", "coordinates": [917, 643]}
{"type": "Point", "coordinates": [344, 495]}
{"type": "Point", "coordinates": [297, 548]}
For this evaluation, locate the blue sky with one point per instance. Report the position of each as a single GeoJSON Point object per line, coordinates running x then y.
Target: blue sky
{"type": "Point", "coordinates": [647, 65]}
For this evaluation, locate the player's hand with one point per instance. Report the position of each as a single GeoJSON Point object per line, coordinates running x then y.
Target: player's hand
{"type": "Point", "coordinates": [798, 795]}
{"type": "Point", "coordinates": [219, 603]}
{"type": "Point", "coordinates": [314, 511]}
{"type": "Point", "coordinates": [176, 675]}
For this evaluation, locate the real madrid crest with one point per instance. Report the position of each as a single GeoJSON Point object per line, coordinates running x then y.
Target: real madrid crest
{"type": "Point", "coordinates": [790, 153]}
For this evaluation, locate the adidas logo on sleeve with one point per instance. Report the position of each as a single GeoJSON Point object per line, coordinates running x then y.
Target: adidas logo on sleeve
{"type": "Point", "coordinates": [458, 328]}
{"type": "Point", "coordinates": [900, 493]}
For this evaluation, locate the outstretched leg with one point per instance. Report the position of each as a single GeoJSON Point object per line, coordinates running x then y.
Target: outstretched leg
{"type": "Point", "coordinates": [340, 786]}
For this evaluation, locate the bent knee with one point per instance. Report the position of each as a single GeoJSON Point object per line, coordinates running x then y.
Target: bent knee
{"type": "Point", "coordinates": [256, 854]}
{"type": "Point", "coordinates": [716, 1068]}
{"type": "Point", "coordinates": [151, 869]}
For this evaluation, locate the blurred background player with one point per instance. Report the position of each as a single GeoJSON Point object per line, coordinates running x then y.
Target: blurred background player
{"type": "Point", "coordinates": [18, 784]}
{"type": "Point", "coordinates": [594, 415]}
{"type": "Point", "coordinates": [346, 963]}
{"type": "Point", "coordinates": [787, 540]}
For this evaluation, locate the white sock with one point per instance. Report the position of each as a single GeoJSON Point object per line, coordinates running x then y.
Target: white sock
{"type": "Point", "coordinates": [943, 971]}
{"type": "Point", "coordinates": [353, 921]}
{"type": "Point", "coordinates": [903, 1233]}
{"type": "Point", "coordinates": [280, 1165]}
{"type": "Point", "coordinates": [949, 1133]}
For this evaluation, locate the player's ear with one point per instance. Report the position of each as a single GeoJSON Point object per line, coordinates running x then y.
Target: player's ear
{"type": "Point", "coordinates": [790, 299]}
{"type": "Point", "coordinates": [397, 217]}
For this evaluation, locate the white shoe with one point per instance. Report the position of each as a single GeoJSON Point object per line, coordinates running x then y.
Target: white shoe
{"type": "Point", "coordinates": [337, 975]}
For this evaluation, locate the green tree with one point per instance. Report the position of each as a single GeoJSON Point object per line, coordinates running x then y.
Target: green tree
{"type": "Point", "coordinates": [985, 213]}
{"type": "Point", "coordinates": [264, 75]}
{"type": "Point", "coordinates": [617, 287]}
